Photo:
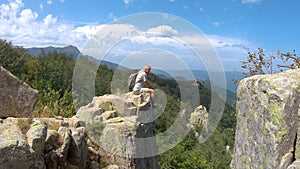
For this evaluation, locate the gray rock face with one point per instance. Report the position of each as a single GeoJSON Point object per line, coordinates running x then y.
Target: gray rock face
{"type": "Point", "coordinates": [64, 148]}
{"type": "Point", "coordinates": [108, 106]}
{"type": "Point", "coordinates": [14, 150]}
{"type": "Point", "coordinates": [297, 146]}
{"type": "Point", "coordinates": [78, 149]}
{"type": "Point", "coordinates": [64, 139]}
{"type": "Point", "coordinates": [267, 121]}
{"type": "Point", "coordinates": [295, 165]}
{"type": "Point", "coordinates": [36, 137]}
{"type": "Point", "coordinates": [17, 99]}
{"type": "Point", "coordinates": [133, 143]}
{"type": "Point", "coordinates": [120, 135]}
{"type": "Point", "coordinates": [128, 135]}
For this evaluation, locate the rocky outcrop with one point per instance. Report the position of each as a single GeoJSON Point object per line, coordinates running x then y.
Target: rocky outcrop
{"type": "Point", "coordinates": [114, 132]}
{"type": "Point", "coordinates": [27, 144]}
{"type": "Point", "coordinates": [199, 117]}
{"type": "Point", "coordinates": [267, 122]}
{"type": "Point", "coordinates": [110, 106]}
{"type": "Point", "coordinates": [17, 99]}
{"type": "Point", "coordinates": [122, 127]}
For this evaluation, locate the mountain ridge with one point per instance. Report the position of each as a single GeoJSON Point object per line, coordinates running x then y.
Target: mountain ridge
{"type": "Point", "coordinates": [68, 50]}
{"type": "Point", "coordinates": [176, 74]}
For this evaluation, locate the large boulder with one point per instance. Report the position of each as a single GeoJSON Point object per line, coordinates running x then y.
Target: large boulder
{"type": "Point", "coordinates": [14, 150]}
{"type": "Point", "coordinates": [133, 143]}
{"type": "Point", "coordinates": [17, 99]}
{"type": "Point", "coordinates": [125, 131]}
{"type": "Point", "coordinates": [267, 121]}
{"type": "Point", "coordinates": [132, 140]}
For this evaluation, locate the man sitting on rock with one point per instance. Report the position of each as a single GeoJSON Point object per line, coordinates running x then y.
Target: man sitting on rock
{"type": "Point", "coordinates": [142, 84]}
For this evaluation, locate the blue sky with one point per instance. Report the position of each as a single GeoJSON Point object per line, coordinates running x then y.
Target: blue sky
{"type": "Point", "coordinates": [230, 25]}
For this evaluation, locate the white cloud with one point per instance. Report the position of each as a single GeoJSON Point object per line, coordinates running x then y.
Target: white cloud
{"type": "Point", "coordinates": [27, 16]}
{"type": "Point", "coordinates": [41, 6]}
{"type": "Point", "coordinates": [112, 16]}
{"type": "Point", "coordinates": [164, 30]}
{"type": "Point", "coordinates": [23, 27]}
{"type": "Point", "coordinates": [127, 2]}
{"type": "Point", "coordinates": [251, 1]}
{"type": "Point", "coordinates": [49, 2]}
{"type": "Point", "coordinates": [10, 10]}
{"type": "Point", "coordinates": [216, 23]}
{"type": "Point", "coordinates": [49, 20]}
{"type": "Point", "coordinates": [222, 42]}
{"type": "Point", "coordinates": [88, 31]}
{"type": "Point", "coordinates": [126, 40]}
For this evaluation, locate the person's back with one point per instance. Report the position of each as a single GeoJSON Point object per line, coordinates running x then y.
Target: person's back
{"type": "Point", "coordinates": [140, 81]}
{"type": "Point", "coordinates": [142, 84]}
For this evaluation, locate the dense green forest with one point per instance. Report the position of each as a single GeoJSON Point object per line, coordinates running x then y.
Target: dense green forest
{"type": "Point", "coordinates": [51, 74]}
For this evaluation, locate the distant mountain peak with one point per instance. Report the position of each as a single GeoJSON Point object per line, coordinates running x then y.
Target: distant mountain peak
{"type": "Point", "coordinates": [68, 50]}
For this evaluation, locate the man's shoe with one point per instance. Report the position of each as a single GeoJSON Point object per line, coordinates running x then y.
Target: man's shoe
{"type": "Point", "coordinates": [156, 106]}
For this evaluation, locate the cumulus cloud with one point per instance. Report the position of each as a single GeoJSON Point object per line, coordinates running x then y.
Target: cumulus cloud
{"type": "Point", "coordinates": [251, 1]}
{"type": "Point", "coordinates": [127, 40]}
{"type": "Point", "coordinates": [88, 30]}
{"type": "Point", "coordinates": [164, 30]}
{"type": "Point", "coordinates": [24, 27]}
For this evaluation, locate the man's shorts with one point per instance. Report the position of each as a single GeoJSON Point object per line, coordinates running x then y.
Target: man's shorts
{"type": "Point", "coordinates": [142, 90]}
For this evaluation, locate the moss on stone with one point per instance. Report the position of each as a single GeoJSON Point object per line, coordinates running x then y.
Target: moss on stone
{"type": "Point", "coordinates": [283, 132]}
{"type": "Point", "coordinates": [24, 124]}
{"type": "Point", "coordinates": [276, 113]}
{"type": "Point", "coordinates": [267, 159]}
{"type": "Point", "coordinates": [106, 105]}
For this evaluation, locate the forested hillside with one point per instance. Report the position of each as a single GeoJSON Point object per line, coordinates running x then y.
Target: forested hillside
{"type": "Point", "coordinates": [51, 74]}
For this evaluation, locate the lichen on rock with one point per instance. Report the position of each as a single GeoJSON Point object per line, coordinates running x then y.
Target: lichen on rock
{"type": "Point", "coordinates": [267, 120]}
